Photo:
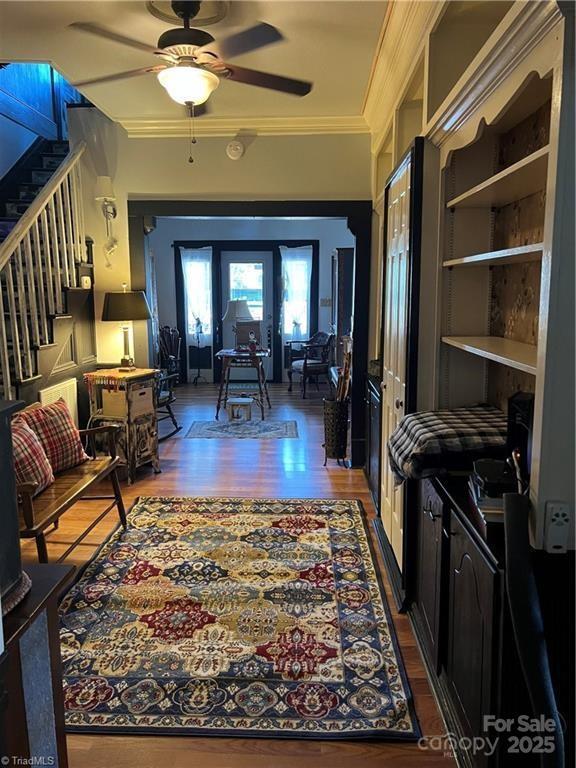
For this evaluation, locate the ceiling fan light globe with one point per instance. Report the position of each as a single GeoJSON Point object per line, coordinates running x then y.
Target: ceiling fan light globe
{"type": "Point", "coordinates": [188, 84]}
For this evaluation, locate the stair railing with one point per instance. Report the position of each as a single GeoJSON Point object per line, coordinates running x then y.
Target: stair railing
{"type": "Point", "coordinates": [38, 261]}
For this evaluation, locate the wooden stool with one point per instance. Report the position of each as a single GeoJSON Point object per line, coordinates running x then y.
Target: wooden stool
{"type": "Point", "coordinates": [239, 408]}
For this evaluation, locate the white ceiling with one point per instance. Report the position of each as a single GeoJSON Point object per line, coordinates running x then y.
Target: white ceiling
{"type": "Point", "coordinates": [330, 43]}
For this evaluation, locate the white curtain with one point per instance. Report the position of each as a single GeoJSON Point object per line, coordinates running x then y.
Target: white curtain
{"type": "Point", "coordinates": [296, 285]}
{"type": "Point", "coordinates": [197, 272]}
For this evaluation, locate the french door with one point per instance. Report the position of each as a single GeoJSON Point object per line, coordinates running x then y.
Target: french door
{"type": "Point", "coordinates": [395, 334]}
{"type": "Point", "coordinates": [249, 275]}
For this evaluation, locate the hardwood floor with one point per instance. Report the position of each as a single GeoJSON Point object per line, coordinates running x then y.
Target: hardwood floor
{"type": "Point", "coordinates": [250, 468]}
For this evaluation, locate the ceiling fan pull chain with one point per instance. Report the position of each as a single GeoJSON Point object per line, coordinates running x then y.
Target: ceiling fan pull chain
{"type": "Point", "coordinates": [192, 131]}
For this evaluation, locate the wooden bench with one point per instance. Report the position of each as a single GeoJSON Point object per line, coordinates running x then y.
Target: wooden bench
{"type": "Point", "coordinates": [37, 513]}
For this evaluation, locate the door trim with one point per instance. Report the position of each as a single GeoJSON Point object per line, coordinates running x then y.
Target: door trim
{"type": "Point", "coordinates": [358, 215]}
{"type": "Point", "coordinates": [269, 246]}
{"type": "Point", "coordinates": [404, 581]}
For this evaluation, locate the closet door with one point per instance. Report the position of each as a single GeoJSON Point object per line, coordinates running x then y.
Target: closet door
{"type": "Point", "coordinates": [394, 347]}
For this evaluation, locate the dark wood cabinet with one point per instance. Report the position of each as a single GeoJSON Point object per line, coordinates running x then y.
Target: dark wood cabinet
{"type": "Point", "coordinates": [430, 597]}
{"type": "Point", "coordinates": [462, 622]}
{"type": "Point", "coordinates": [31, 697]}
{"type": "Point", "coordinates": [10, 561]}
{"type": "Point", "coordinates": [473, 623]}
{"type": "Point", "coordinates": [458, 611]}
{"type": "Point", "coordinates": [373, 437]}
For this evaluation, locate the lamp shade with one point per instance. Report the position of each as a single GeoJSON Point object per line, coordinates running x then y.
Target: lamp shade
{"type": "Point", "coordinates": [188, 84]}
{"type": "Point", "coordinates": [104, 189]}
{"type": "Point", "coordinates": [130, 305]}
{"type": "Point", "coordinates": [237, 309]}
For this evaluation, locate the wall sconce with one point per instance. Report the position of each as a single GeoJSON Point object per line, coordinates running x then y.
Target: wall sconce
{"type": "Point", "coordinates": [105, 195]}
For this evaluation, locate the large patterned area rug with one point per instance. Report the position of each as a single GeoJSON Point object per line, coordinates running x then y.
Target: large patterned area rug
{"type": "Point", "coordinates": [235, 617]}
{"type": "Point", "coordinates": [254, 429]}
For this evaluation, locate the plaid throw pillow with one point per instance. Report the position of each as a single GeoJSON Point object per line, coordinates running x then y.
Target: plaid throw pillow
{"type": "Point", "coordinates": [31, 464]}
{"type": "Point", "coordinates": [58, 434]}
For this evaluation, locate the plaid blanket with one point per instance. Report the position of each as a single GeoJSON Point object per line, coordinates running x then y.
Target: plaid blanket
{"type": "Point", "coordinates": [432, 442]}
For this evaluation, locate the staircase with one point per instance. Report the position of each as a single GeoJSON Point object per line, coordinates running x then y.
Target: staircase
{"type": "Point", "coordinates": [41, 248]}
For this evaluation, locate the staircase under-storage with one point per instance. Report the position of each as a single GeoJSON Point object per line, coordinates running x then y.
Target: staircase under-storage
{"type": "Point", "coordinates": [42, 250]}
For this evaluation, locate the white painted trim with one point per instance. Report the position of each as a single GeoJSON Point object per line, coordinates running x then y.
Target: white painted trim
{"type": "Point", "coordinates": [263, 126]}
{"type": "Point", "coordinates": [523, 27]}
{"type": "Point", "coordinates": [408, 36]}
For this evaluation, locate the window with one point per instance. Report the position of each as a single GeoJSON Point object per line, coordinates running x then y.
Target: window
{"type": "Point", "coordinates": [247, 282]}
{"type": "Point", "coordinates": [296, 279]}
{"type": "Point", "coordinates": [197, 270]}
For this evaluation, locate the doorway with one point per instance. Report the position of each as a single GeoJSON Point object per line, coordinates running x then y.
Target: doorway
{"type": "Point", "coordinates": [180, 221]}
{"type": "Point", "coordinates": [249, 276]}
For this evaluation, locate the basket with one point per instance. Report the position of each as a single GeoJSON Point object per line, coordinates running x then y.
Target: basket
{"type": "Point", "coordinates": [335, 429]}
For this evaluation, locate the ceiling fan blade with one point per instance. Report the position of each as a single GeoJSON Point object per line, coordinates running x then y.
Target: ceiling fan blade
{"type": "Point", "coordinates": [94, 29]}
{"type": "Point", "coordinates": [120, 76]}
{"type": "Point", "coordinates": [266, 80]}
{"type": "Point", "coordinates": [243, 42]}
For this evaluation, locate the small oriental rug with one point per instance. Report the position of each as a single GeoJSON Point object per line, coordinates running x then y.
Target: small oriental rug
{"type": "Point", "coordinates": [235, 617]}
{"type": "Point", "coordinates": [256, 429]}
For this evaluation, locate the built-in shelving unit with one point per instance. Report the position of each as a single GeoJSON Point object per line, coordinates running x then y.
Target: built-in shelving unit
{"type": "Point", "coordinates": [495, 191]}
{"type": "Point", "coordinates": [517, 355]}
{"type": "Point", "coordinates": [517, 255]}
{"type": "Point", "coordinates": [519, 180]}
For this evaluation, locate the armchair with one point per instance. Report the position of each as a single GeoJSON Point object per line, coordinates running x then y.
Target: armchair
{"type": "Point", "coordinates": [312, 360]}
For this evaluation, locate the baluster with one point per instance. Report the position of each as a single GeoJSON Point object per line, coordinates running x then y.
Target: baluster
{"type": "Point", "coordinates": [70, 238]}
{"type": "Point", "coordinates": [13, 316]}
{"type": "Point", "coordinates": [48, 262]}
{"type": "Point", "coordinates": [56, 254]}
{"type": "Point", "coordinates": [41, 291]}
{"type": "Point", "coordinates": [31, 290]}
{"type": "Point", "coordinates": [22, 312]}
{"type": "Point", "coordinates": [4, 356]}
{"type": "Point", "coordinates": [61, 231]}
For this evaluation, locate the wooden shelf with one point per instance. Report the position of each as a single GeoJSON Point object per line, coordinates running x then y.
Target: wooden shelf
{"type": "Point", "coordinates": [516, 255]}
{"type": "Point", "coordinates": [524, 178]}
{"type": "Point", "coordinates": [500, 350]}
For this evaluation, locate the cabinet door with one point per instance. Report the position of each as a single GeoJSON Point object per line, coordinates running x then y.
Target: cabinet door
{"type": "Point", "coordinates": [472, 627]}
{"type": "Point", "coordinates": [144, 440]}
{"type": "Point", "coordinates": [374, 445]}
{"type": "Point", "coordinates": [429, 572]}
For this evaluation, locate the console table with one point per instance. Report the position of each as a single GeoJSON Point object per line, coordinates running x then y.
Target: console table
{"type": "Point", "coordinates": [234, 358]}
{"type": "Point", "coordinates": [127, 398]}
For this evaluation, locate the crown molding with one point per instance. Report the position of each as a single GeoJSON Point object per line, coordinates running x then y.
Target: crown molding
{"type": "Point", "coordinates": [407, 29]}
{"type": "Point", "coordinates": [262, 126]}
{"type": "Point", "coordinates": [528, 24]}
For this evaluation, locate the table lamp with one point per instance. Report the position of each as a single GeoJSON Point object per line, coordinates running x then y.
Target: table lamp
{"type": "Point", "coordinates": [124, 307]}
{"type": "Point", "coordinates": [237, 309]}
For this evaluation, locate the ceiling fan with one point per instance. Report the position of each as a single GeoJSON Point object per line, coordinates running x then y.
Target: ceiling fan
{"type": "Point", "coordinates": [194, 62]}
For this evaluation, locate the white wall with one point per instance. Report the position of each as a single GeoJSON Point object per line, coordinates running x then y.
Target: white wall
{"type": "Point", "coordinates": [332, 233]}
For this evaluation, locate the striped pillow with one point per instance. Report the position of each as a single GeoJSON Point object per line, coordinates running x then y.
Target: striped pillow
{"type": "Point", "coordinates": [31, 464]}
{"type": "Point", "coordinates": [58, 434]}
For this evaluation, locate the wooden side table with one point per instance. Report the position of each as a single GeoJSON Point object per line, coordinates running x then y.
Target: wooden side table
{"type": "Point", "coordinates": [127, 398]}
{"type": "Point", "coordinates": [233, 358]}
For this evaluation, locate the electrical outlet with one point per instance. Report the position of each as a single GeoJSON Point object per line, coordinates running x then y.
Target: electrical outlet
{"type": "Point", "coordinates": [557, 527]}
